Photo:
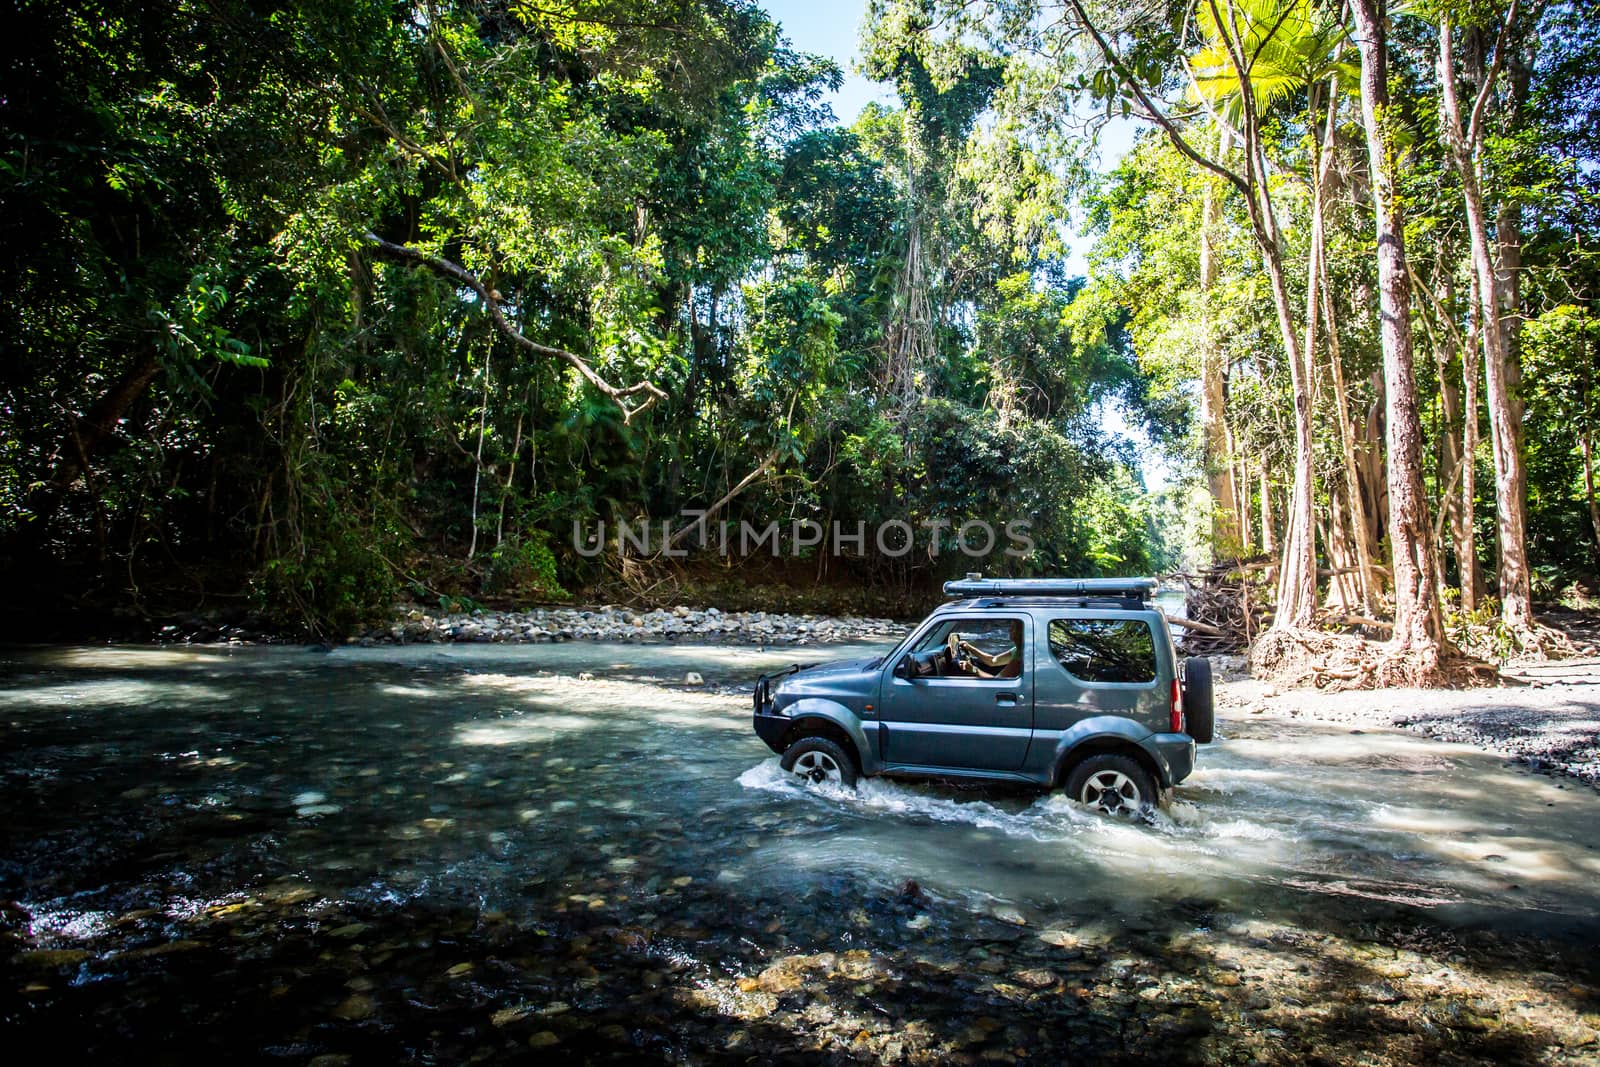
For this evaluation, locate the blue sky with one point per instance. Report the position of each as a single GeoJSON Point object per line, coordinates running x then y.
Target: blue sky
{"type": "Point", "coordinates": [831, 28]}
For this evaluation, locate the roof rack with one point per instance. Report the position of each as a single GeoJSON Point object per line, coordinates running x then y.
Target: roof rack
{"type": "Point", "coordinates": [977, 585]}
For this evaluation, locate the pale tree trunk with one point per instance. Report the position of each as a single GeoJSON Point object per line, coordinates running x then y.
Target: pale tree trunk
{"type": "Point", "coordinates": [1319, 300]}
{"type": "Point", "coordinates": [1586, 442]}
{"type": "Point", "coordinates": [1508, 301]}
{"type": "Point", "coordinates": [1472, 585]}
{"type": "Point", "coordinates": [1516, 599]}
{"type": "Point", "coordinates": [1269, 535]}
{"type": "Point", "coordinates": [1297, 572]}
{"type": "Point", "coordinates": [1455, 462]}
{"type": "Point", "coordinates": [1303, 524]}
{"type": "Point", "coordinates": [1369, 583]}
{"type": "Point", "coordinates": [1297, 576]}
{"type": "Point", "coordinates": [1462, 406]}
{"type": "Point", "coordinates": [1419, 644]}
{"type": "Point", "coordinates": [1226, 537]}
{"type": "Point", "coordinates": [1241, 487]}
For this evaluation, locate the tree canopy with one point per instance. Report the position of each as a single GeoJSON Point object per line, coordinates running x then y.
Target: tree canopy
{"type": "Point", "coordinates": [321, 304]}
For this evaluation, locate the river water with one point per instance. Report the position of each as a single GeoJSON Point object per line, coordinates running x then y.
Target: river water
{"type": "Point", "coordinates": [431, 852]}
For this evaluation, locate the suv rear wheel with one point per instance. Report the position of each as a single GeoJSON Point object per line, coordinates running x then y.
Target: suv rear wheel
{"type": "Point", "coordinates": [820, 760]}
{"type": "Point", "coordinates": [1113, 785]}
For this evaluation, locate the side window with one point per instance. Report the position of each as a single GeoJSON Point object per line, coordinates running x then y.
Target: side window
{"type": "Point", "coordinates": [980, 648]}
{"type": "Point", "coordinates": [1104, 650]}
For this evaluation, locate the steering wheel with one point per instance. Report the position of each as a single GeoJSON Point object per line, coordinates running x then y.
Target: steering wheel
{"type": "Point", "coordinates": [958, 658]}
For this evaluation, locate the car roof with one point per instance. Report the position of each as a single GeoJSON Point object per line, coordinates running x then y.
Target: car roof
{"type": "Point", "coordinates": [999, 603]}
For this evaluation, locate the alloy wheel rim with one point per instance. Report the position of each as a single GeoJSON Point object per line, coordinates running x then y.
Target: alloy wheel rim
{"type": "Point", "coordinates": [818, 767]}
{"type": "Point", "coordinates": [1112, 792]}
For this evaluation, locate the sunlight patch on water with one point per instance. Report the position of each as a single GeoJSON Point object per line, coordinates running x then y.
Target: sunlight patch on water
{"type": "Point", "coordinates": [415, 692]}
{"type": "Point", "coordinates": [109, 692]}
{"type": "Point", "coordinates": [523, 730]}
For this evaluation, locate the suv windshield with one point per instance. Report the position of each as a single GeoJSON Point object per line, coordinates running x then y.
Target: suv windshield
{"type": "Point", "coordinates": [1104, 650]}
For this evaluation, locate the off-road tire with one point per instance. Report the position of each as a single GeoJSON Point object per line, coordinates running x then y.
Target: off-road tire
{"type": "Point", "coordinates": [1199, 700]}
{"type": "Point", "coordinates": [820, 759]}
{"type": "Point", "coordinates": [1115, 785]}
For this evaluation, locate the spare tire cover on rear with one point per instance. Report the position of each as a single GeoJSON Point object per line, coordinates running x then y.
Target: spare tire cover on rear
{"type": "Point", "coordinates": [1199, 710]}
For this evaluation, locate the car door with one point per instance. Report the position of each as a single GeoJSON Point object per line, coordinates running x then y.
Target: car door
{"type": "Point", "coordinates": [979, 718]}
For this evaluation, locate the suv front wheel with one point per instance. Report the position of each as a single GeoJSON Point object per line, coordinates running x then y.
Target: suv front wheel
{"type": "Point", "coordinates": [820, 760]}
{"type": "Point", "coordinates": [1113, 785]}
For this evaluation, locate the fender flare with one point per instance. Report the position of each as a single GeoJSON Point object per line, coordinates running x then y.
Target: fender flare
{"type": "Point", "coordinates": [843, 718]}
{"type": "Point", "coordinates": [1102, 733]}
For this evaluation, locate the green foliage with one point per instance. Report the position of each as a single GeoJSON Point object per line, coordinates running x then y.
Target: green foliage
{"type": "Point", "coordinates": [655, 188]}
{"type": "Point", "coordinates": [1561, 348]}
{"type": "Point", "coordinates": [337, 583]}
{"type": "Point", "coordinates": [526, 568]}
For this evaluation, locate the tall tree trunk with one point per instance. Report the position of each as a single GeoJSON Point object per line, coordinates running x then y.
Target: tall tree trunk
{"type": "Point", "coordinates": [1226, 536]}
{"type": "Point", "coordinates": [1419, 644]}
{"type": "Point", "coordinates": [1369, 583]}
{"type": "Point", "coordinates": [1301, 514]}
{"type": "Point", "coordinates": [1297, 570]}
{"type": "Point", "coordinates": [1516, 585]}
{"type": "Point", "coordinates": [1269, 534]}
{"type": "Point", "coordinates": [1516, 597]}
{"type": "Point", "coordinates": [1472, 587]}
{"type": "Point", "coordinates": [1241, 488]}
{"type": "Point", "coordinates": [1445, 340]}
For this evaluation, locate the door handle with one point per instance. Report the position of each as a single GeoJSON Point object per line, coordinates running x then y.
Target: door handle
{"type": "Point", "coordinates": [1008, 700]}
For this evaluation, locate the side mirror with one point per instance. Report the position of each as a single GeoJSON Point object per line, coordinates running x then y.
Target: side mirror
{"type": "Point", "coordinates": [903, 668]}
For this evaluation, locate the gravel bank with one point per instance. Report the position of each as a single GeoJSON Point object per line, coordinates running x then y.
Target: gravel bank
{"type": "Point", "coordinates": [611, 623]}
{"type": "Point", "coordinates": [1548, 718]}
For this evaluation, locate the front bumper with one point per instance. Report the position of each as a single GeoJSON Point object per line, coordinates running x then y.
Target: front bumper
{"type": "Point", "coordinates": [772, 729]}
{"type": "Point", "coordinates": [1174, 754]}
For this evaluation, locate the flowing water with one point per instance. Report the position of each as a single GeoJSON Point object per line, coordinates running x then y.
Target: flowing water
{"type": "Point", "coordinates": [344, 834]}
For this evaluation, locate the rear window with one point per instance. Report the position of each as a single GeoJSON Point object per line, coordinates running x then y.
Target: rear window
{"type": "Point", "coordinates": [1105, 650]}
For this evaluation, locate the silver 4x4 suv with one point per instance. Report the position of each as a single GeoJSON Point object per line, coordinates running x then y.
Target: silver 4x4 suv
{"type": "Point", "coordinates": [1055, 682]}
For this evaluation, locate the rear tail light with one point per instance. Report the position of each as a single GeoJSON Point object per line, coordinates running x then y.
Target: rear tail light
{"type": "Point", "coordinates": [1177, 707]}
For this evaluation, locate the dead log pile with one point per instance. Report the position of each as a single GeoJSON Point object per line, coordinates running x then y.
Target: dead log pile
{"type": "Point", "coordinates": [1230, 602]}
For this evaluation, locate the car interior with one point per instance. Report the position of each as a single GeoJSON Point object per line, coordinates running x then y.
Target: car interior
{"type": "Point", "coordinates": [970, 648]}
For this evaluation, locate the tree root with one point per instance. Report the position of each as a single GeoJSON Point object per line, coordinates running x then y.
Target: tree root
{"type": "Point", "coordinates": [1337, 662]}
{"type": "Point", "coordinates": [1537, 641]}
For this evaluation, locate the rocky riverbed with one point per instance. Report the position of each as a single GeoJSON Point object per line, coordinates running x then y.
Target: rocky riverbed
{"type": "Point", "coordinates": [483, 851]}
{"type": "Point", "coordinates": [612, 623]}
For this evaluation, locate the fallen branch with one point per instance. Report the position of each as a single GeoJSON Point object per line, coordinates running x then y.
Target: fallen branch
{"type": "Point", "coordinates": [744, 483]}
{"type": "Point", "coordinates": [1197, 627]}
{"type": "Point", "coordinates": [491, 302]}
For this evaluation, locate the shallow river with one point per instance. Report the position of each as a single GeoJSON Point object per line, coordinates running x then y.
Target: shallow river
{"type": "Point", "coordinates": [426, 851]}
